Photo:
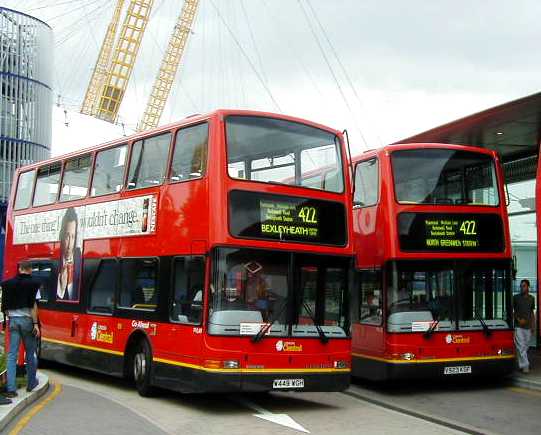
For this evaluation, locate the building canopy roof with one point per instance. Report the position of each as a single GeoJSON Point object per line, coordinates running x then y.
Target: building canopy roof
{"type": "Point", "coordinates": [512, 129]}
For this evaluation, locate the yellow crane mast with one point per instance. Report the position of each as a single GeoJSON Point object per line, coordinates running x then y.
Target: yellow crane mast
{"type": "Point", "coordinates": [169, 66]}
{"type": "Point", "coordinates": [123, 60]}
{"type": "Point", "coordinates": [99, 74]}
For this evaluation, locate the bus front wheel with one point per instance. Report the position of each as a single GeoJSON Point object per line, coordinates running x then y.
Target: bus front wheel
{"type": "Point", "coordinates": [141, 368]}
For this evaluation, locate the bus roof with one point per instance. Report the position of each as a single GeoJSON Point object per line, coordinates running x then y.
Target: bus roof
{"type": "Point", "coordinates": [192, 119]}
{"type": "Point", "coordinates": [408, 146]}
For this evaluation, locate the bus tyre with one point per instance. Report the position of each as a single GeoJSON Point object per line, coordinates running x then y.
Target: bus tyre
{"type": "Point", "coordinates": [141, 368]}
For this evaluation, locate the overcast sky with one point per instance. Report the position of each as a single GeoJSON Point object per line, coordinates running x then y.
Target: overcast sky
{"type": "Point", "coordinates": [382, 69]}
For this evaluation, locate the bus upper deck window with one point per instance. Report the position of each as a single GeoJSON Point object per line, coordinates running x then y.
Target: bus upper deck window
{"type": "Point", "coordinates": [24, 189]}
{"type": "Point", "coordinates": [47, 183]}
{"type": "Point", "coordinates": [109, 171]}
{"type": "Point", "coordinates": [148, 161]}
{"type": "Point", "coordinates": [190, 154]}
{"type": "Point", "coordinates": [75, 180]}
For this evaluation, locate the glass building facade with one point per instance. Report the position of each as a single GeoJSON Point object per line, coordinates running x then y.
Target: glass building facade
{"type": "Point", "coordinates": [26, 50]}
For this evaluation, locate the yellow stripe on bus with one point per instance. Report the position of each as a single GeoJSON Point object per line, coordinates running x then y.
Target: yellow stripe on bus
{"type": "Point", "coordinates": [432, 360]}
{"type": "Point", "coordinates": [198, 367]}
{"type": "Point", "coordinates": [292, 370]}
{"type": "Point", "coordinates": [82, 346]}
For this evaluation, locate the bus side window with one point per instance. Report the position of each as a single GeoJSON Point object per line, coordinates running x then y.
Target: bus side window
{"type": "Point", "coordinates": [103, 285]}
{"type": "Point", "coordinates": [109, 171]}
{"type": "Point", "coordinates": [190, 153]}
{"type": "Point", "coordinates": [47, 184]}
{"type": "Point", "coordinates": [24, 189]}
{"type": "Point", "coordinates": [75, 180]}
{"type": "Point", "coordinates": [186, 304]}
{"type": "Point", "coordinates": [148, 161]}
{"type": "Point", "coordinates": [371, 301]}
{"type": "Point", "coordinates": [45, 273]}
{"type": "Point", "coordinates": [139, 287]}
{"type": "Point", "coordinates": [366, 183]}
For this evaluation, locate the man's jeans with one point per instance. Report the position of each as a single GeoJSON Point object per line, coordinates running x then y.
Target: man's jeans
{"type": "Point", "coordinates": [522, 344]}
{"type": "Point", "coordinates": [21, 328]}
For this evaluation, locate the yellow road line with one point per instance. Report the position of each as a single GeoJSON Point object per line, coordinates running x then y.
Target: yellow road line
{"type": "Point", "coordinates": [525, 391]}
{"type": "Point", "coordinates": [33, 411]}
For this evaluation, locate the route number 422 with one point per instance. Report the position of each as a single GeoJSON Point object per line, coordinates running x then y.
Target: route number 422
{"type": "Point", "coordinates": [308, 215]}
{"type": "Point", "coordinates": [469, 228]}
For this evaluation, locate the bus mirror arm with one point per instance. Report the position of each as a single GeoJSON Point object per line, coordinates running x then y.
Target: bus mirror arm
{"type": "Point", "coordinates": [346, 136]}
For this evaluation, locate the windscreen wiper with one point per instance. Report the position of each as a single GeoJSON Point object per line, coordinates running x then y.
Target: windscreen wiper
{"type": "Point", "coordinates": [486, 329]}
{"type": "Point", "coordinates": [268, 326]}
{"type": "Point", "coordinates": [324, 339]}
{"type": "Point", "coordinates": [428, 333]}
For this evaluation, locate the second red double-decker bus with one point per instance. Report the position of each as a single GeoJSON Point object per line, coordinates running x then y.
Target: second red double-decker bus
{"type": "Point", "coordinates": [196, 256]}
{"type": "Point", "coordinates": [434, 265]}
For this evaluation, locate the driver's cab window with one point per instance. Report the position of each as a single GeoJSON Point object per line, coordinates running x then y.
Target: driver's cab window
{"type": "Point", "coordinates": [371, 297]}
{"type": "Point", "coordinates": [186, 304]}
{"type": "Point", "coordinates": [420, 299]}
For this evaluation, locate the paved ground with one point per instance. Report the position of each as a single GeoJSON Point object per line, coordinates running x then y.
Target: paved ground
{"type": "Point", "coordinates": [93, 403]}
{"type": "Point", "coordinates": [495, 407]}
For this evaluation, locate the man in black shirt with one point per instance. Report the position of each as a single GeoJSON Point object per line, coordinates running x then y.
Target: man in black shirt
{"type": "Point", "coordinates": [19, 306]}
{"type": "Point", "coordinates": [523, 313]}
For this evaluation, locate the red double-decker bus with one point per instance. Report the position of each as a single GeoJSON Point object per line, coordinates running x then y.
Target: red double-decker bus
{"type": "Point", "coordinates": [433, 265]}
{"type": "Point", "coordinates": [199, 257]}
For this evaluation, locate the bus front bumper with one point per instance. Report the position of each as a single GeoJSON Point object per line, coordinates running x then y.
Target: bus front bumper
{"type": "Point", "coordinates": [189, 380]}
{"type": "Point", "coordinates": [381, 370]}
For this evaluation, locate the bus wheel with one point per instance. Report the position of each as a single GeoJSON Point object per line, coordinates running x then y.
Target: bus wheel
{"type": "Point", "coordinates": [141, 367]}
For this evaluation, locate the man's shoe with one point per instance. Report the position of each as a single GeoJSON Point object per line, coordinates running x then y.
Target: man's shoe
{"type": "Point", "coordinates": [5, 401]}
{"type": "Point", "coordinates": [10, 394]}
{"type": "Point", "coordinates": [526, 370]}
{"type": "Point", "coordinates": [29, 389]}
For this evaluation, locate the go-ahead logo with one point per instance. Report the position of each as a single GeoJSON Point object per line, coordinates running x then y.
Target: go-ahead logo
{"type": "Point", "coordinates": [288, 346]}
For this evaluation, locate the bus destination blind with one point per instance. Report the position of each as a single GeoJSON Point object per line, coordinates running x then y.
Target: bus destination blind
{"type": "Point", "coordinates": [284, 219]}
{"type": "Point", "coordinates": [450, 232]}
{"type": "Point", "coordinates": [275, 217]}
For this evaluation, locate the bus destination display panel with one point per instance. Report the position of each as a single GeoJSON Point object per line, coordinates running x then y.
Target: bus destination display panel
{"type": "Point", "coordinates": [450, 232]}
{"type": "Point", "coordinates": [258, 215]}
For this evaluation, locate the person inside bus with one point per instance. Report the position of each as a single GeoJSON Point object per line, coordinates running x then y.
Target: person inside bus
{"type": "Point", "coordinates": [231, 300]}
{"type": "Point", "coordinates": [70, 258]}
{"type": "Point", "coordinates": [258, 295]}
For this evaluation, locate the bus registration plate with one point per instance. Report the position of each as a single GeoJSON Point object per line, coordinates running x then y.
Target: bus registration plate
{"type": "Point", "coordinates": [459, 370]}
{"type": "Point", "coordinates": [288, 383]}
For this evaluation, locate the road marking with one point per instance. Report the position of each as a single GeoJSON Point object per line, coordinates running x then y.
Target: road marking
{"type": "Point", "coordinates": [525, 391]}
{"type": "Point", "coordinates": [281, 419]}
{"type": "Point", "coordinates": [438, 420]}
{"type": "Point", "coordinates": [33, 411]}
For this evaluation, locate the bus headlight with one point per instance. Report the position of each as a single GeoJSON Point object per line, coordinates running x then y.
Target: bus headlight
{"type": "Point", "coordinates": [408, 356]}
{"type": "Point", "coordinates": [340, 364]}
{"type": "Point", "coordinates": [231, 364]}
{"type": "Point", "coordinates": [505, 351]}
